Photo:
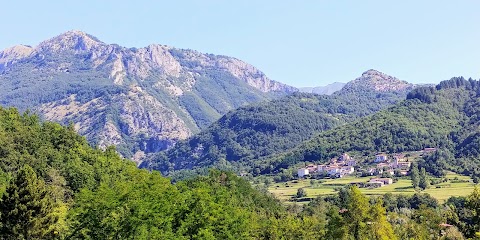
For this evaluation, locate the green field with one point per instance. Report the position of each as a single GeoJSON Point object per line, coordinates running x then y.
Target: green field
{"type": "Point", "coordinates": [453, 187]}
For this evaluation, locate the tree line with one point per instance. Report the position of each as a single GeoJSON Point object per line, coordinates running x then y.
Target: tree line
{"type": "Point", "coordinates": [55, 186]}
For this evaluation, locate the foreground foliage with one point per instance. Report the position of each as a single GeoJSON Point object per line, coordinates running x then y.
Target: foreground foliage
{"type": "Point", "coordinates": [55, 186]}
{"type": "Point", "coordinates": [26, 208]}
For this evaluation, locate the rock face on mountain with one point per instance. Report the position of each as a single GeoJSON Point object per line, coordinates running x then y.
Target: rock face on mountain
{"type": "Point", "coordinates": [10, 55]}
{"type": "Point", "coordinates": [141, 100]}
{"type": "Point", "coordinates": [378, 81]}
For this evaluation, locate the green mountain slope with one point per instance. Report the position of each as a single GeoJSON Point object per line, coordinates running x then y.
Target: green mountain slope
{"type": "Point", "coordinates": [141, 100]}
{"type": "Point", "coordinates": [56, 153]}
{"type": "Point", "coordinates": [444, 117]}
{"type": "Point", "coordinates": [250, 133]}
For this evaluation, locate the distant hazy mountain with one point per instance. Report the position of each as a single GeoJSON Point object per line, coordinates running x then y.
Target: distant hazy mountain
{"type": "Point", "coordinates": [243, 137]}
{"type": "Point", "coordinates": [324, 90]}
{"type": "Point", "coordinates": [142, 100]}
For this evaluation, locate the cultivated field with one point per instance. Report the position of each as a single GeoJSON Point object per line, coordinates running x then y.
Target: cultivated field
{"type": "Point", "coordinates": [457, 185]}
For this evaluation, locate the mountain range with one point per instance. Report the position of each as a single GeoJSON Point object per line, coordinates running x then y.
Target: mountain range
{"type": "Point", "coordinates": [147, 100]}
{"type": "Point", "coordinates": [142, 100]}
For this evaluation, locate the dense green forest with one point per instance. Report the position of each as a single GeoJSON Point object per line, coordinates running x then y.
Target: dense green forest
{"type": "Point", "coordinates": [260, 130]}
{"type": "Point", "coordinates": [443, 117]}
{"type": "Point", "coordinates": [55, 186]}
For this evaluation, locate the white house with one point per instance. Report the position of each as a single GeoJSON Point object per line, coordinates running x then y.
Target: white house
{"type": "Point", "coordinates": [348, 169]}
{"type": "Point", "coordinates": [381, 158]}
{"type": "Point", "coordinates": [399, 157]}
{"type": "Point", "coordinates": [322, 168]}
{"type": "Point", "coordinates": [303, 172]}
{"type": "Point", "coordinates": [385, 181]}
{"type": "Point", "coordinates": [403, 165]}
{"type": "Point", "coordinates": [334, 170]}
{"type": "Point", "coordinates": [376, 183]}
{"type": "Point", "coordinates": [351, 162]}
{"type": "Point", "coordinates": [311, 168]}
{"type": "Point", "coordinates": [344, 157]}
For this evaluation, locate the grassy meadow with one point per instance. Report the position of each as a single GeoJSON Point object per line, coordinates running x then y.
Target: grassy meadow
{"type": "Point", "coordinates": [457, 185]}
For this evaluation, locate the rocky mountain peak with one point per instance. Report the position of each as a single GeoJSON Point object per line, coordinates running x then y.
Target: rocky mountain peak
{"type": "Point", "coordinates": [373, 72]}
{"type": "Point", "coordinates": [72, 40]}
{"type": "Point", "coordinates": [14, 53]}
{"type": "Point", "coordinates": [378, 81]}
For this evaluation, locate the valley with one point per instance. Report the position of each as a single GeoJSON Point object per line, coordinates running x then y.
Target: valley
{"type": "Point", "coordinates": [101, 141]}
{"type": "Point", "coordinates": [239, 120]}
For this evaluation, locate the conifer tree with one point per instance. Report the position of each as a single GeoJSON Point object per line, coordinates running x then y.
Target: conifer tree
{"type": "Point", "coordinates": [26, 208]}
{"type": "Point", "coordinates": [357, 214]}
{"type": "Point", "coordinates": [381, 228]}
{"type": "Point", "coordinates": [473, 204]}
{"type": "Point", "coordinates": [424, 181]}
{"type": "Point", "coordinates": [415, 175]}
{"type": "Point", "coordinates": [336, 227]}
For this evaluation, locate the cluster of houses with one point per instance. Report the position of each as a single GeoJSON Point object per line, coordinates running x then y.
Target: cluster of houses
{"type": "Point", "coordinates": [338, 167]}
{"type": "Point", "coordinates": [345, 165]}
{"type": "Point", "coordinates": [399, 163]}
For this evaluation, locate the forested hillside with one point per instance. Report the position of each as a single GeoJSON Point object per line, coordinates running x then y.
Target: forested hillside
{"type": "Point", "coordinates": [55, 186]}
{"type": "Point", "coordinates": [443, 117]}
{"type": "Point", "coordinates": [250, 133]}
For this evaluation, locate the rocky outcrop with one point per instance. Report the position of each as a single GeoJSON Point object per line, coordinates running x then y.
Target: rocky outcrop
{"type": "Point", "coordinates": [76, 41]}
{"type": "Point", "coordinates": [141, 113]}
{"type": "Point", "coordinates": [378, 81]}
{"type": "Point", "coordinates": [137, 115]}
{"type": "Point", "coordinates": [252, 76]}
{"type": "Point", "coordinates": [142, 62]}
{"type": "Point", "coordinates": [13, 54]}
{"type": "Point", "coordinates": [160, 58]}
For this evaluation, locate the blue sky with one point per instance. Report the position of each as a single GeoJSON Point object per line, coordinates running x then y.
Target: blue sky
{"type": "Point", "coordinates": [301, 43]}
